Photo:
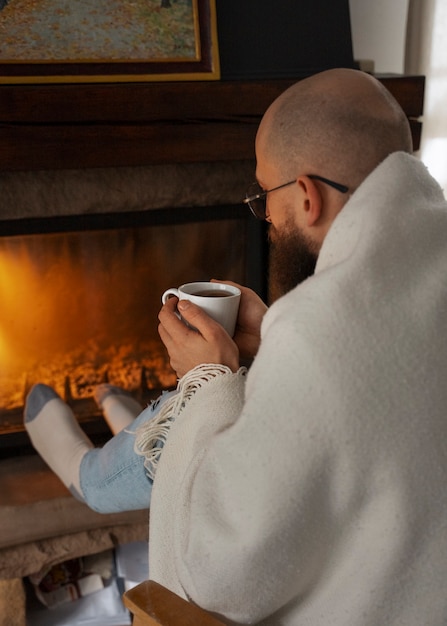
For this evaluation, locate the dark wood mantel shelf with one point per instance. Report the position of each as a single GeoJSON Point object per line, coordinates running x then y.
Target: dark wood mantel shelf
{"type": "Point", "coordinates": [113, 125]}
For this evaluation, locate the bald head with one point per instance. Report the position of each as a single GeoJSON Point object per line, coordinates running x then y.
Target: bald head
{"type": "Point", "coordinates": [339, 123]}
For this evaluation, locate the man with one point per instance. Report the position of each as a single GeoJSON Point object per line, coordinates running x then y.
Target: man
{"type": "Point", "coordinates": [312, 489]}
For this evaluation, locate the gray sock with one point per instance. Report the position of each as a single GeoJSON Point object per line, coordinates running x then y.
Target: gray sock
{"type": "Point", "coordinates": [56, 435]}
{"type": "Point", "coordinates": [37, 398]}
{"type": "Point", "coordinates": [119, 407]}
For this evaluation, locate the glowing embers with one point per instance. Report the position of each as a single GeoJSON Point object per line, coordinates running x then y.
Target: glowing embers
{"type": "Point", "coordinates": [74, 307]}
{"type": "Point", "coordinates": [79, 308]}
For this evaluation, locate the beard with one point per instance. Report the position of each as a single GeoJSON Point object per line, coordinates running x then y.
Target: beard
{"type": "Point", "coordinates": [293, 257]}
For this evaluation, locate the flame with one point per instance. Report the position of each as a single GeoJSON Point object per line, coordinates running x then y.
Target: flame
{"type": "Point", "coordinates": [4, 348]}
{"type": "Point", "coordinates": [11, 279]}
{"type": "Point", "coordinates": [67, 307]}
{"type": "Point", "coordinates": [80, 304]}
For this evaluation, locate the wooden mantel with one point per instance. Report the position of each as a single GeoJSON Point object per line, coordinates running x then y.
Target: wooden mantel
{"type": "Point", "coordinates": [113, 125]}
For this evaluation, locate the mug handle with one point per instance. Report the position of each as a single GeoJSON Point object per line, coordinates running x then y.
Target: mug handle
{"type": "Point", "coordinates": [168, 293]}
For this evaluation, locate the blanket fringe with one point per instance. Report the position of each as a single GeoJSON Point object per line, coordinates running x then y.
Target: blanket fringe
{"type": "Point", "coordinates": [151, 436]}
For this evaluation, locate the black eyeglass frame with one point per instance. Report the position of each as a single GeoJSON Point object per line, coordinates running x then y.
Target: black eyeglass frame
{"type": "Point", "coordinates": [261, 214]}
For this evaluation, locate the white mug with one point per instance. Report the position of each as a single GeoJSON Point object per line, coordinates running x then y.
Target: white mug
{"type": "Point", "coordinates": [219, 301]}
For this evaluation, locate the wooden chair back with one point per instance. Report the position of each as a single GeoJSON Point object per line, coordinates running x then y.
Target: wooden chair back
{"type": "Point", "coordinates": [152, 604]}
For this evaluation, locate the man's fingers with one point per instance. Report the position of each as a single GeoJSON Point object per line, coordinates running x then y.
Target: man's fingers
{"type": "Point", "coordinates": [190, 311]}
{"type": "Point", "coordinates": [200, 320]}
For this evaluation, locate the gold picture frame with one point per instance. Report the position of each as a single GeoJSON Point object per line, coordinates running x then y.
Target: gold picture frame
{"type": "Point", "coordinates": [108, 41]}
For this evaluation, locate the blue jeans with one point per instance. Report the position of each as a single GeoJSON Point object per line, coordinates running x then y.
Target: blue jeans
{"type": "Point", "coordinates": [113, 478]}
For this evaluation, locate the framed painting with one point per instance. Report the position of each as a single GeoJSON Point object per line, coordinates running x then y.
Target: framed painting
{"type": "Point", "coordinates": [74, 41]}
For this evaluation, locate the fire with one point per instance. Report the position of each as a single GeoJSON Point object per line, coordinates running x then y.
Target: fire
{"type": "Point", "coordinates": [81, 307]}
{"type": "Point", "coordinates": [11, 279]}
{"type": "Point", "coordinates": [4, 351]}
{"type": "Point", "coordinates": [68, 312]}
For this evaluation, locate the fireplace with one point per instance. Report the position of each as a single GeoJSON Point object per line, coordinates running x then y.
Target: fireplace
{"type": "Point", "coordinates": [109, 186]}
{"type": "Point", "coordinates": [81, 292]}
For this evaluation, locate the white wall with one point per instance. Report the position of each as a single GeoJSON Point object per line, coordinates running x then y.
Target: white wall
{"type": "Point", "coordinates": [427, 55]}
{"type": "Point", "coordinates": [409, 36]}
{"type": "Point", "coordinates": [379, 31]}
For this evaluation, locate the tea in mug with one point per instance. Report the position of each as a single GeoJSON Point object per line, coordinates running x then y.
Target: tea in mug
{"type": "Point", "coordinates": [212, 293]}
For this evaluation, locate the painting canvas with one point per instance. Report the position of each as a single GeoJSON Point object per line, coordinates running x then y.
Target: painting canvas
{"type": "Point", "coordinates": [107, 40]}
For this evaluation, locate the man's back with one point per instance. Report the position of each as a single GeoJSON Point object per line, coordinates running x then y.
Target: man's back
{"type": "Point", "coordinates": [323, 503]}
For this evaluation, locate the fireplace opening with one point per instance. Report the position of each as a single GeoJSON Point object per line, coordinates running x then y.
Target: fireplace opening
{"type": "Point", "coordinates": [80, 298]}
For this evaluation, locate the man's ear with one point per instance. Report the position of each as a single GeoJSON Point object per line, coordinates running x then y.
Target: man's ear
{"type": "Point", "coordinates": [313, 202]}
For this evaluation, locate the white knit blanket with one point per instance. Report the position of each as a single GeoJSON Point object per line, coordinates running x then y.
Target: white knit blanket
{"type": "Point", "coordinates": [314, 493]}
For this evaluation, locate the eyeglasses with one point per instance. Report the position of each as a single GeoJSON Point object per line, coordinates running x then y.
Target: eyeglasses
{"type": "Point", "coordinates": [256, 196]}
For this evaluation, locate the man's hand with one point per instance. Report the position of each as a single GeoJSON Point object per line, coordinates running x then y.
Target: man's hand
{"type": "Point", "coordinates": [252, 309]}
{"type": "Point", "coordinates": [186, 347]}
